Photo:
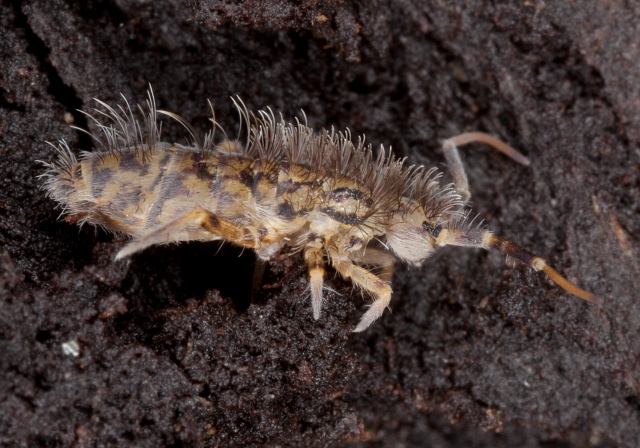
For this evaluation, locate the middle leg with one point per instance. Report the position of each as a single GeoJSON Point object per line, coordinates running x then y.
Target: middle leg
{"type": "Point", "coordinates": [315, 263]}
{"type": "Point", "coordinates": [367, 281]}
{"type": "Point", "coordinates": [376, 257]}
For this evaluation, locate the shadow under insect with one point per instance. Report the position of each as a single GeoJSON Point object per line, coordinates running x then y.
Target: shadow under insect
{"type": "Point", "coordinates": [166, 275]}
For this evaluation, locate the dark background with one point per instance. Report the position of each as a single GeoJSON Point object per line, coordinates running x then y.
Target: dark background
{"type": "Point", "coordinates": [474, 353]}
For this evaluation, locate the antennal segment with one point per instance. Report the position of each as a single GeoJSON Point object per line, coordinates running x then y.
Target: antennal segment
{"type": "Point", "coordinates": [481, 137]}
{"type": "Point", "coordinates": [485, 239]}
{"type": "Point", "coordinates": [450, 149]}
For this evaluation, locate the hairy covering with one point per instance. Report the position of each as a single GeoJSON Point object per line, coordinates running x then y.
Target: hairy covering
{"type": "Point", "coordinates": [328, 156]}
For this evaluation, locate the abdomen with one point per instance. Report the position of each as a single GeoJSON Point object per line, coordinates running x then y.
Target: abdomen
{"type": "Point", "coordinates": [134, 191]}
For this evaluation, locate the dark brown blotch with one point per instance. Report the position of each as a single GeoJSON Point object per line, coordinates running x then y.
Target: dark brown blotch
{"type": "Point", "coordinates": [123, 200]}
{"type": "Point", "coordinates": [247, 178]}
{"type": "Point", "coordinates": [355, 241]}
{"type": "Point", "coordinates": [343, 194]}
{"type": "Point", "coordinates": [286, 211]}
{"type": "Point", "coordinates": [212, 222]}
{"type": "Point", "coordinates": [289, 187]}
{"type": "Point", "coordinates": [99, 180]}
{"type": "Point", "coordinates": [201, 168]}
{"type": "Point", "coordinates": [350, 219]}
{"type": "Point", "coordinates": [129, 162]}
{"type": "Point", "coordinates": [267, 172]}
{"type": "Point", "coordinates": [171, 187]}
{"type": "Point", "coordinates": [163, 163]}
{"type": "Point", "coordinates": [315, 237]}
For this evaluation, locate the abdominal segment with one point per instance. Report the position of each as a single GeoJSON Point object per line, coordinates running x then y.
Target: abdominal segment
{"type": "Point", "coordinates": [135, 192]}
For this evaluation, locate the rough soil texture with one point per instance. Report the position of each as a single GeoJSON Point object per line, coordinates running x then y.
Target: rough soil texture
{"type": "Point", "coordinates": [166, 350]}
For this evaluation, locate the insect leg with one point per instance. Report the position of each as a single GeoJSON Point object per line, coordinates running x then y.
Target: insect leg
{"type": "Point", "coordinates": [263, 254]}
{"type": "Point", "coordinates": [485, 239]}
{"type": "Point", "coordinates": [376, 257]}
{"type": "Point", "coordinates": [185, 228]}
{"type": "Point", "coordinates": [258, 274]}
{"type": "Point", "coordinates": [315, 263]}
{"type": "Point", "coordinates": [367, 281]}
{"type": "Point", "coordinates": [450, 149]}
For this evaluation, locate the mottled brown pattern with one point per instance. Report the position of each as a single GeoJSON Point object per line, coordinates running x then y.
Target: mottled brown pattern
{"type": "Point", "coordinates": [131, 161]}
{"type": "Point", "coordinates": [99, 179]}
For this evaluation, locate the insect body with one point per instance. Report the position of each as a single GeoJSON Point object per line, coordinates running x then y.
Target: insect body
{"type": "Point", "coordinates": [319, 193]}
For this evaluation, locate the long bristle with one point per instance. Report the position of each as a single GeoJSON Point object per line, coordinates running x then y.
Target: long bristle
{"type": "Point", "coordinates": [336, 154]}
{"type": "Point", "coordinates": [121, 131]}
{"type": "Point", "coordinates": [59, 173]}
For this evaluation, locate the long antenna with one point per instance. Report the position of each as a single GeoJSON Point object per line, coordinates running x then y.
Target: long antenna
{"type": "Point", "coordinates": [484, 238]}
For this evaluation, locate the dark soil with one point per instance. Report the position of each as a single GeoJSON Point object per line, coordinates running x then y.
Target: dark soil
{"type": "Point", "coordinates": [166, 350]}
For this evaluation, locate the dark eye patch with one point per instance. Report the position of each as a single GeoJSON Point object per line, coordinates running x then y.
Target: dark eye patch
{"type": "Point", "coordinates": [431, 230]}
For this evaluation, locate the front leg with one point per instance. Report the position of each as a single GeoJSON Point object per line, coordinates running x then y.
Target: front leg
{"type": "Point", "coordinates": [189, 227]}
{"type": "Point", "coordinates": [376, 257]}
{"type": "Point", "coordinates": [367, 281]}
